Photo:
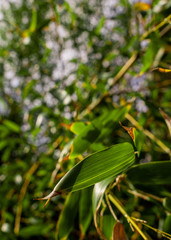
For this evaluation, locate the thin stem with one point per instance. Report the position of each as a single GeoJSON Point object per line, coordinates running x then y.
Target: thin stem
{"type": "Point", "coordinates": [102, 236]}
{"type": "Point", "coordinates": [166, 20]}
{"type": "Point", "coordinates": [21, 196]}
{"type": "Point", "coordinates": [144, 195]}
{"type": "Point", "coordinates": [117, 203]}
{"type": "Point", "coordinates": [118, 76]}
{"type": "Point", "coordinates": [123, 70]}
{"type": "Point", "coordinates": [110, 207]}
{"type": "Point", "coordinates": [166, 235]}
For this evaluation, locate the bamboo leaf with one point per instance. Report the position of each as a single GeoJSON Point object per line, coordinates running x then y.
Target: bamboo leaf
{"type": "Point", "coordinates": [150, 173]}
{"type": "Point", "coordinates": [99, 190]}
{"type": "Point", "coordinates": [85, 209]}
{"type": "Point", "coordinates": [84, 140]}
{"type": "Point", "coordinates": [65, 223]}
{"type": "Point", "coordinates": [77, 127]}
{"type": "Point", "coordinates": [119, 232]}
{"type": "Point", "coordinates": [97, 129]}
{"type": "Point", "coordinates": [95, 168]}
{"type": "Point", "coordinates": [100, 25]}
{"type": "Point", "coordinates": [137, 137]}
{"type": "Point", "coordinates": [33, 23]}
{"type": "Point", "coordinates": [36, 230]}
{"type": "Point", "coordinates": [107, 225]}
{"type": "Point", "coordinates": [12, 126]}
{"type": "Point", "coordinates": [167, 224]}
{"type": "Point", "coordinates": [150, 54]}
{"type": "Point", "coordinates": [167, 203]}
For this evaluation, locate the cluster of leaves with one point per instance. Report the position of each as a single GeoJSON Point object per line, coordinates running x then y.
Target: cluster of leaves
{"type": "Point", "coordinates": [71, 71]}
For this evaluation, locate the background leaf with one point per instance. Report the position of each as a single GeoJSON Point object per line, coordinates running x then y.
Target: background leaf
{"type": "Point", "coordinates": [12, 126]}
{"type": "Point", "coordinates": [156, 173]}
{"type": "Point", "coordinates": [98, 128]}
{"type": "Point", "coordinates": [85, 209]}
{"type": "Point", "coordinates": [107, 225]}
{"type": "Point", "coordinates": [65, 222]}
{"type": "Point", "coordinates": [119, 232]}
{"type": "Point", "coordinates": [149, 54]}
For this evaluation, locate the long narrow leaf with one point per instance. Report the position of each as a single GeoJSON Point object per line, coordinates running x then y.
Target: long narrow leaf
{"type": "Point", "coordinates": [150, 173]}
{"type": "Point", "coordinates": [99, 190]}
{"type": "Point", "coordinates": [85, 210]}
{"type": "Point", "coordinates": [95, 168]}
{"type": "Point", "coordinates": [65, 222]}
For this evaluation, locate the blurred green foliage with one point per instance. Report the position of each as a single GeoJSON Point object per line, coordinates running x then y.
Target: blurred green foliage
{"type": "Point", "coordinates": [66, 68]}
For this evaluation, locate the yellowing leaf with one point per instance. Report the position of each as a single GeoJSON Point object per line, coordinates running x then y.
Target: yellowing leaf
{"type": "Point", "coordinates": [130, 131]}
{"type": "Point", "coordinates": [26, 33]}
{"type": "Point", "coordinates": [75, 127]}
{"type": "Point", "coordinates": [163, 70]}
{"type": "Point", "coordinates": [142, 6]}
{"type": "Point", "coordinates": [137, 137]}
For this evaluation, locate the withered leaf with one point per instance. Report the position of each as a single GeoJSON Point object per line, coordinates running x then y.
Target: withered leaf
{"type": "Point", "coordinates": [119, 232]}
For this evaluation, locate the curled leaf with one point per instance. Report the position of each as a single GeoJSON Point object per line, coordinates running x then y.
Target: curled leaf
{"type": "Point", "coordinates": [130, 131]}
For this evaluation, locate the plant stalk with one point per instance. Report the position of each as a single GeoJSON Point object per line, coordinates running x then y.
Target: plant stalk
{"type": "Point", "coordinates": [117, 204]}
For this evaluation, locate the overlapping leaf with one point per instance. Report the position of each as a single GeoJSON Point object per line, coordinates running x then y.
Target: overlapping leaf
{"type": "Point", "coordinates": [95, 168]}
{"type": "Point", "coordinates": [85, 210]}
{"type": "Point", "coordinates": [99, 190]}
{"type": "Point", "coordinates": [150, 173]}
{"type": "Point", "coordinates": [98, 128]}
{"type": "Point", "coordinates": [66, 220]}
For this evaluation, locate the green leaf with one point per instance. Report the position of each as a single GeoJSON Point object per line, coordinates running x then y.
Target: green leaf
{"type": "Point", "coordinates": [107, 227]}
{"type": "Point", "coordinates": [85, 209]}
{"type": "Point", "coordinates": [100, 25]}
{"type": "Point", "coordinates": [167, 224]}
{"type": "Point", "coordinates": [28, 88]}
{"type": "Point", "coordinates": [111, 119]}
{"type": "Point", "coordinates": [95, 168]}
{"type": "Point", "coordinates": [89, 134]}
{"type": "Point", "coordinates": [167, 203]}
{"type": "Point", "coordinates": [66, 220]}
{"type": "Point", "coordinates": [77, 127]}
{"type": "Point", "coordinates": [12, 126]}
{"type": "Point", "coordinates": [97, 129]}
{"type": "Point", "coordinates": [35, 230]}
{"type": "Point", "coordinates": [57, 16]}
{"type": "Point", "coordinates": [4, 131]}
{"type": "Point", "coordinates": [97, 146]}
{"type": "Point", "coordinates": [3, 144]}
{"type": "Point", "coordinates": [150, 173]}
{"type": "Point", "coordinates": [139, 140]}
{"type": "Point", "coordinates": [33, 23]}
{"type": "Point", "coordinates": [150, 54]}
{"type": "Point", "coordinates": [72, 13]}
{"type": "Point", "coordinates": [99, 190]}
